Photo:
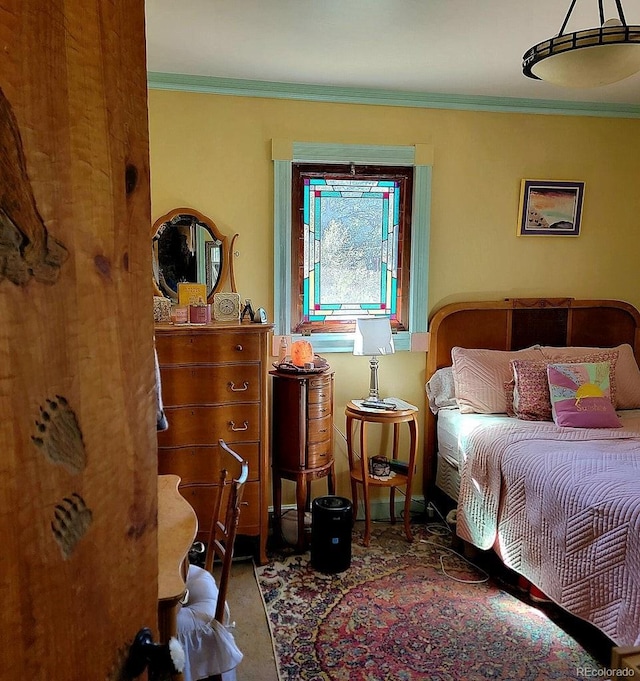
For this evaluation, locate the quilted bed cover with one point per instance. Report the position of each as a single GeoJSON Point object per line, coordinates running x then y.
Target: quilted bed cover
{"type": "Point", "coordinates": [560, 506]}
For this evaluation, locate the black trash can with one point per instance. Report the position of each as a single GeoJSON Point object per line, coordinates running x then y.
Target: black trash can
{"type": "Point", "coordinates": [331, 534]}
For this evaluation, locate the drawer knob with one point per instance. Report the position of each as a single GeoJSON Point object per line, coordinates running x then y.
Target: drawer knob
{"type": "Point", "coordinates": [232, 387]}
{"type": "Point", "coordinates": [239, 348]}
{"type": "Point", "coordinates": [244, 426]}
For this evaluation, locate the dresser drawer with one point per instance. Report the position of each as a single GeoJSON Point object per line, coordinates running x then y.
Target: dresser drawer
{"type": "Point", "coordinates": [202, 464]}
{"type": "Point", "coordinates": [320, 390]}
{"type": "Point", "coordinates": [319, 453]}
{"type": "Point", "coordinates": [210, 384]}
{"type": "Point", "coordinates": [206, 425]}
{"type": "Point", "coordinates": [319, 410]}
{"type": "Point", "coordinates": [319, 430]}
{"type": "Point", "coordinates": [208, 347]}
{"type": "Point", "coordinates": [202, 498]}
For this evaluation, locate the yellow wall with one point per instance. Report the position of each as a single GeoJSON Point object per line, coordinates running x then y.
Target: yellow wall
{"type": "Point", "coordinates": [213, 153]}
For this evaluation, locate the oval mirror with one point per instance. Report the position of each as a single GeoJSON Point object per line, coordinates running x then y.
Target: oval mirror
{"type": "Point", "coordinates": [187, 247]}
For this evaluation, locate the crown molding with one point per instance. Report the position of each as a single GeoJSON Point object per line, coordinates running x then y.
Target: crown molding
{"type": "Point", "coordinates": [346, 95]}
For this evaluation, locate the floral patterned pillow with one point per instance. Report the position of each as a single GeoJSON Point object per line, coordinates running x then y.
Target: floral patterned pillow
{"type": "Point", "coordinates": [531, 401]}
{"type": "Point", "coordinates": [508, 396]}
{"type": "Point", "coordinates": [531, 398]}
{"type": "Point", "coordinates": [580, 395]}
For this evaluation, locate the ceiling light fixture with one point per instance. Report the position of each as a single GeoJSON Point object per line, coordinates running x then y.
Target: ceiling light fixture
{"type": "Point", "coordinates": [588, 58]}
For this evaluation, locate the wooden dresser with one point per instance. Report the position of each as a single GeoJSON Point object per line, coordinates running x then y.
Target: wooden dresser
{"type": "Point", "coordinates": [302, 447]}
{"type": "Point", "coordinates": [214, 385]}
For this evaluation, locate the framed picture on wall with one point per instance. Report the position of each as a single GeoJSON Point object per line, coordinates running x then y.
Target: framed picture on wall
{"type": "Point", "coordinates": [550, 208]}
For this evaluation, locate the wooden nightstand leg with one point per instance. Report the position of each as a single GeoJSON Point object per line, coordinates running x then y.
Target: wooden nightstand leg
{"type": "Point", "coordinates": [277, 507]}
{"type": "Point", "coordinates": [354, 498]}
{"type": "Point", "coordinates": [413, 447]}
{"type": "Point", "coordinates": [354, 485]}
{"type": "Point", "coordinates": [392, 490]}
{"type": "Point", "coordinates": [307, 502]}
{"type": "Point", "coordinates": [364, 463]}
{"type": "Point", "coordinates": [392, 505]}
{"type": "Point", "coordinates": [367, 521]}
{"type": "Point", "coordinates": [407, 517]}
{"type": "Point", "coordinates": [331, 479]}
{"type": "Point", "coordinates": [301, 503]}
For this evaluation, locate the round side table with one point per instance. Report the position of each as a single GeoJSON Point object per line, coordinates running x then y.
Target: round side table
{"type": "Point", "coordinates": [359, 466]}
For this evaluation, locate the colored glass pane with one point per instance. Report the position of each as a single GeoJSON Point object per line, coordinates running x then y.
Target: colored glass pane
{"type": "Point", "coordinates": [350, 242]}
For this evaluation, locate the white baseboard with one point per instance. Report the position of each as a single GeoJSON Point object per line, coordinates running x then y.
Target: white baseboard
{"type": "Point", "coordinates": [379, 508]}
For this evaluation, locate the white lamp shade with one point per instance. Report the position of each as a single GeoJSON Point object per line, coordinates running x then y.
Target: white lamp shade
{"type": "Point", "coordinates": [589, 58]}
{"type": "Point", "coordinates": [373, 336]}
{"type": "Point", "coordinates": [590, 66]}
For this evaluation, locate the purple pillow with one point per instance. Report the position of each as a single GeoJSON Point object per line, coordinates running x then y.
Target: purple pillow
{"type": "Point", "coordinates": [580, 396]}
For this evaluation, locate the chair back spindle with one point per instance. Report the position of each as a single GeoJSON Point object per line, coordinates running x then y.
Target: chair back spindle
{"type": "Point", "coordinates": [224, 523]}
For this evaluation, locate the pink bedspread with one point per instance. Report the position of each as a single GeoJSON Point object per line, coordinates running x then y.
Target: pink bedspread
{"type": "Point", "coordinates": [560, 506]}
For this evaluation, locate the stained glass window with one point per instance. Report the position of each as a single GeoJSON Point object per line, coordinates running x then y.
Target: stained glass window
{"type": "Point", "coordinates": [351, 260]}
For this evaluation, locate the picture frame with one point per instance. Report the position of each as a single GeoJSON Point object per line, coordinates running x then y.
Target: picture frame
{"type": "Point", "coordinates": [550, 208]}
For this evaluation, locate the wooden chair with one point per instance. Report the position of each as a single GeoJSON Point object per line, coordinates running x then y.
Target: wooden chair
{"type": "Point", "coordinates": [203, 620]}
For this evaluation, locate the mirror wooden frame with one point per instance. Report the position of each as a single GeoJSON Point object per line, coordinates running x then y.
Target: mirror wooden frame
{"type": "Point", "coordinates": [211, 226]}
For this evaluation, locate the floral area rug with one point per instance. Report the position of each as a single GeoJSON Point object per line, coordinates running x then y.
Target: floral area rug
{"type": "Point", "coordinates": [394, 615]}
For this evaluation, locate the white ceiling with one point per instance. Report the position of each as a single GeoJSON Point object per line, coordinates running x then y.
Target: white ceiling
{"type": "Point", "coordinates": [455, 47]}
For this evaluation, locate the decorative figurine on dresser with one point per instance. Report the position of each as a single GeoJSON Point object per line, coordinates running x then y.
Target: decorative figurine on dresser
{"type": "Point", "coordinates": [214, 378]}
{"type": "Point", "coordinates": [302, 430]}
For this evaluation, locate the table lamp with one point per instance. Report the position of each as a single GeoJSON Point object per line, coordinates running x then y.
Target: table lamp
{"type": "Point", "coordinates": [373, 337]}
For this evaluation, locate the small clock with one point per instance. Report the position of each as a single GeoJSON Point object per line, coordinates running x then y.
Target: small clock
{"type": "Point", "coordinates": [226, 307]}
{"type": "Point", "coordinates": [260, 316]}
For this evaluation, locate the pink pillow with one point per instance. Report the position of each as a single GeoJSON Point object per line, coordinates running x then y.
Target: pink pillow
{"type": "Point", "coordinates": [531, 401]}
{"type": "Point", "coordinates": [627, 375]}
{"type": "Point", "coordinates": [580, 395]}
{"type": "Point", "coordinates": [480, 375]}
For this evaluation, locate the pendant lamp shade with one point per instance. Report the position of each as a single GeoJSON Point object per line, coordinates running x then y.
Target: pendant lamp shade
{"type": "Point", "coordinates": [588, 58]}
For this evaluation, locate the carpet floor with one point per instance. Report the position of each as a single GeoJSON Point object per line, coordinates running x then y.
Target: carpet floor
{"type": "Point", "coordinates": [414, 612]}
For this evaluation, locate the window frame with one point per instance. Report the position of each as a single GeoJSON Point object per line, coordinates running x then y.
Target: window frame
{"type": "Point", "coordinates": [287, 152]}
{"type": "Point", "coordinates": [301, 171]}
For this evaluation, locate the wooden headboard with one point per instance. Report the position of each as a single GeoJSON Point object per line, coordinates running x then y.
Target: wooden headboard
{"type": "Point", "coordinates": [516, 323]}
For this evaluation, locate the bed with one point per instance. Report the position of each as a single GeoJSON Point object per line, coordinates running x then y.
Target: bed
{"type": "Point", "coordinates": [560, 505]}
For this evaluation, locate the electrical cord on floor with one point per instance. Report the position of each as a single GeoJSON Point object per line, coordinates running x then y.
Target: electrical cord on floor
{"type": "Point", "coordinates": [443, 529]}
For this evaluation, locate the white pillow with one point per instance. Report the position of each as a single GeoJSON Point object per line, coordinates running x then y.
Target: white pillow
{"type": "Point", "coordinates": [441, 390]}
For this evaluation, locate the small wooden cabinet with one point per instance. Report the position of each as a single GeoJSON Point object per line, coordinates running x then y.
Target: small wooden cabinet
{"type": "Point", "coordinates": [302, 444]}
{"type": "Point", "coordinates": [214, 385]}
